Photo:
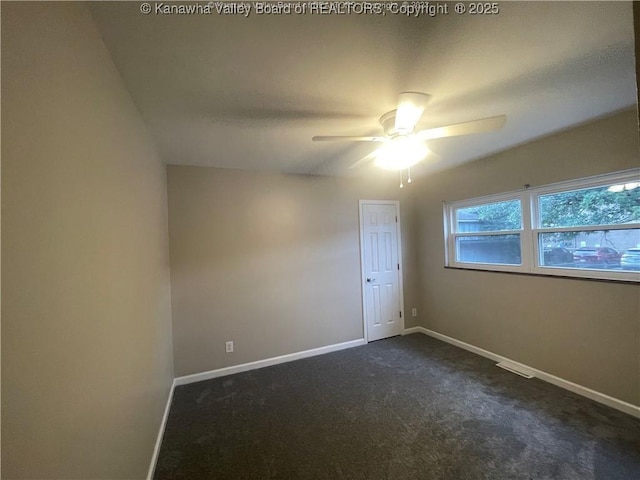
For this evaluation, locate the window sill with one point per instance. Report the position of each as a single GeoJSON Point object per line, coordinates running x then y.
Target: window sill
{"type": "Point", "coordinates": [547, 275]}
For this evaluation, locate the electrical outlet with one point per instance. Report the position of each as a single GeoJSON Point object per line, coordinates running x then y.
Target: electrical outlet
{"type": "Point", "coordinates": [414, 312]}
{"type": "Point", "coordinates": [228, 347]}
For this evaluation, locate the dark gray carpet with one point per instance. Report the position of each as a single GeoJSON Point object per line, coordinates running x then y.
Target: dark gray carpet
{"type": "Point", "coordinates": [403, 408]}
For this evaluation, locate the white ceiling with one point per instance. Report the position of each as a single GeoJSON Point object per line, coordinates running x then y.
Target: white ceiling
{"type": "Point", "coordinates": [249, 93]}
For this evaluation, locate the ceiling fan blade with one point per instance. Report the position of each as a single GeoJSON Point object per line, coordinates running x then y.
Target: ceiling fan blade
{"type": "Point", "coordinates": [364, 160]}
{"type": "Point", "coordinates": [331, 138]}
{"type": "Point", "coordinates": [279, 115]}
{"type": "Point", "coordinates": [466, 128]}
{"type": "Point", "coordinates": [410, 108]}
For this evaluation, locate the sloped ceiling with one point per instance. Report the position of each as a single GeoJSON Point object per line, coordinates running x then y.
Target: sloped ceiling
{"type": "Point", "coordinates": [250, 92]}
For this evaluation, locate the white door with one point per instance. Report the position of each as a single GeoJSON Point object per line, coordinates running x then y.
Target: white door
{"type": "Point", "coordinates": [380, 269]}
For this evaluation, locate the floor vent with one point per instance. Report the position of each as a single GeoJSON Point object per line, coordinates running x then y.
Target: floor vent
{"type": "Point", "coordinates": [512, 369]}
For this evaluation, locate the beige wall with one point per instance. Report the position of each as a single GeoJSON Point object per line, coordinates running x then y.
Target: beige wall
{"type": "Point", "coordinates": [636, 31]}
{"type": "Point", "coordinates": [269, 261]}
{"type": "Point", "coordinates": [587, 332]}
{"type": "Point", "coordinates": [86, 327]}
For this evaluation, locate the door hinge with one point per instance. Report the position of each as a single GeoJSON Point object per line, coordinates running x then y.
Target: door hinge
{"type": "Point", "coordinates": [400, 313]}
{"type": "Point", "coordinates": [398, 266]}
{"type": "Point", "coordinates": [396, 218]}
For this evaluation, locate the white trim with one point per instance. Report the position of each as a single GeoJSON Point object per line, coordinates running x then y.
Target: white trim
{"type": "Point", "coordinates": [531, 230]}
{"type": "Point", "coordinates": [401, 268]}
{"type": "Point", "coordinates": [156, 449]}
{"type": "Point", "coordinates": [589, 182]}
{"type": "Point", "coordinates": [527, 241]}
{"type": "Point", "coordinates": [396, 203]}
{"type": "Point", "coordinates": [244, 367]}
{"type": "Point", "coordinates": [486, 199]}
{"type": "Point", "coordinates": [594, 395]}
{"type": "Point", "coordinates": [365, 327]}
{"type": "Point", "coordinates": [492, 233]}
{"type": "Point", "coordinates": [454, 234]}
{"type": "Point", "coordinates": [588, 228]}
{"type": "Point", "coordinates": [448, 239]}
{"type": "Point", "coordinates": [580, 184]}
{"type": "Point", "coordinates": [410, 330]}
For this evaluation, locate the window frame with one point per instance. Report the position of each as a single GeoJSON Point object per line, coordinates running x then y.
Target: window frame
{"type": "Point", "coordinates": [531, 230]}
{"type": "Point", "coordinates": [451, 241]}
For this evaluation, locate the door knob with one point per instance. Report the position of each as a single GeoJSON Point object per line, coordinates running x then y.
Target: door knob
{"type": "Point", "coordinates": [369, 280]}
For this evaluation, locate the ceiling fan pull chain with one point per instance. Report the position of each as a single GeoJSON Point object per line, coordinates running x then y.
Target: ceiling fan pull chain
{"type": "Point", "coordinates": [409, 175]}
{"type": "Point", "coordinates": [401, 184]}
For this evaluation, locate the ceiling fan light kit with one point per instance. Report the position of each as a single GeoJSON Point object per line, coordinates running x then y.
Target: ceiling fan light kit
{"type": "Point", "coordinates": [403, 146]}
{"type": "Point", "coordinates": [402, 152]}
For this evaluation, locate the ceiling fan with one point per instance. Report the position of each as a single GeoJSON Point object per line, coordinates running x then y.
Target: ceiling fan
{"type": "Point", "coordinates": [403, 146]}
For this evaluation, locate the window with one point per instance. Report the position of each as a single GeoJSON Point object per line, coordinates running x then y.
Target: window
{"type": "Point", "coordinates": [489, 233]}
{"type": "Point", "coordinates": [583, 228]}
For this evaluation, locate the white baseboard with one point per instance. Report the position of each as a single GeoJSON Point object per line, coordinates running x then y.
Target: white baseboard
{"type": "Point", "coordinates": [547, 377]}
{"type": "Point", "coordinates": [408, 331]}
{"type": "Point", "coordinates": [220, 372]}
{"type": "Point", "coordinates": [156, 450]}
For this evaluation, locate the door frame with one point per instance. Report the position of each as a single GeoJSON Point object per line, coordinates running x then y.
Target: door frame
{"type": "Point", "coordinates": [361, 204]}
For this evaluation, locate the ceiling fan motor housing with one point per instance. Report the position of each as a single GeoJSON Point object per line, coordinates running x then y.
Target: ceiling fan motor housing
{"type": "Point", "coordinates": [388, 122]}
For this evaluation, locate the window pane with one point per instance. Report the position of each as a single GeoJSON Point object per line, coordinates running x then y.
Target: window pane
{"type": "Point", "coordinates": [490, 217]}
{"type": "Point", "coordinates": [500, 249]}
{"type": "Point", "coordinates": [612, 249]}
{"type": "Point", "coordinates": [608, 205]}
